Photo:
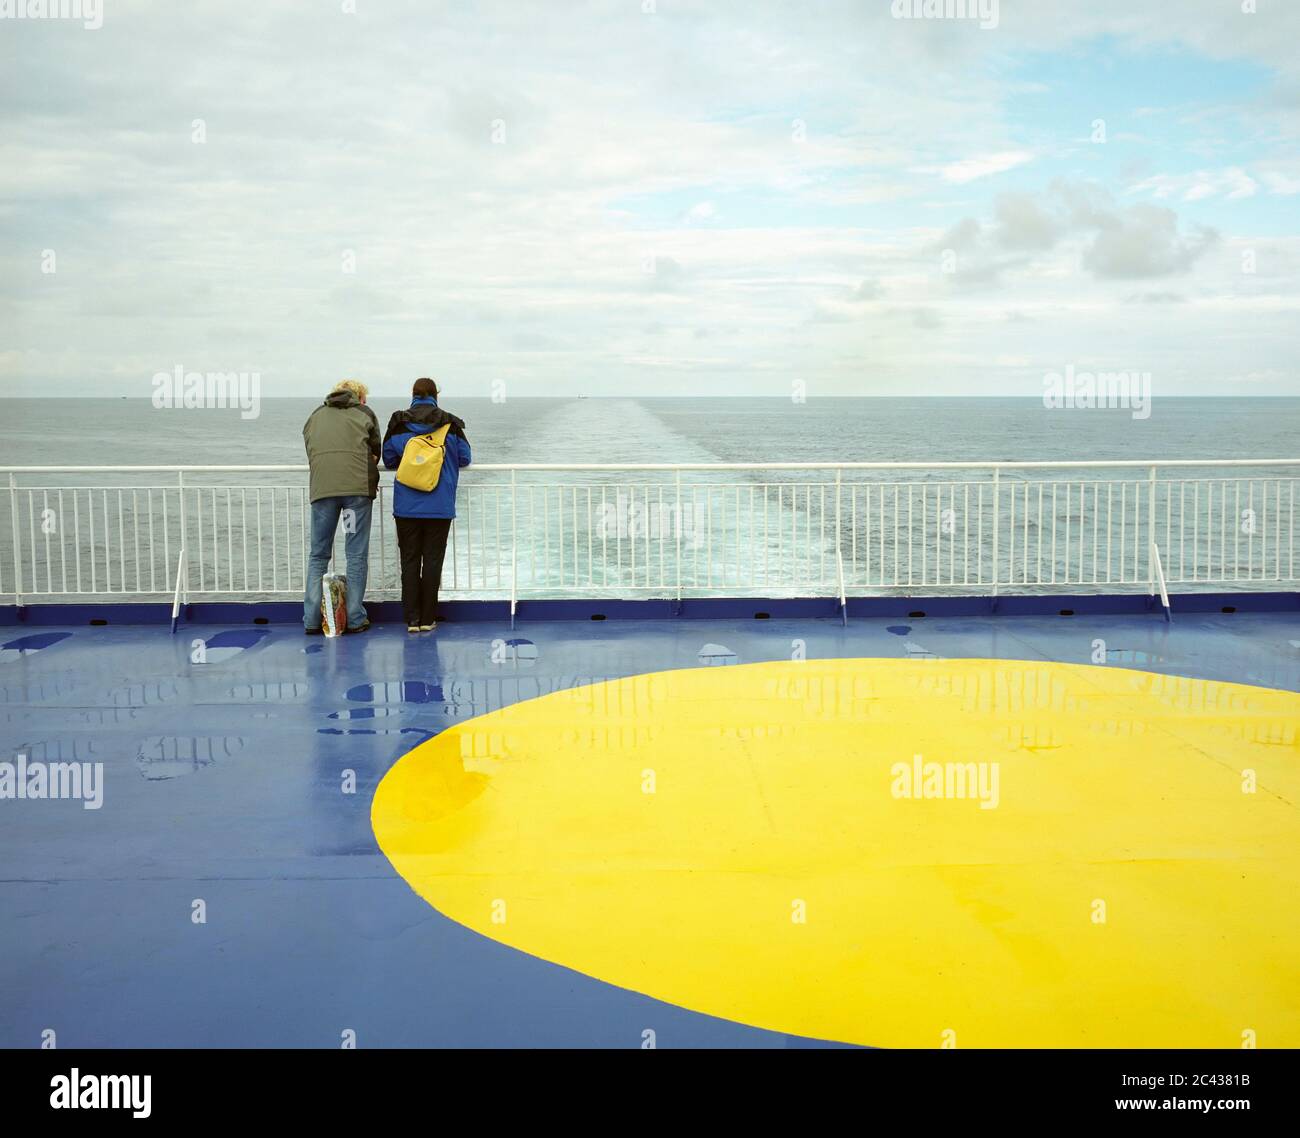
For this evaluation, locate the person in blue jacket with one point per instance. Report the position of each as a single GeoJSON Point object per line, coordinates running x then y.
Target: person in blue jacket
{"type": "Point", "coordinates": [423, 518]}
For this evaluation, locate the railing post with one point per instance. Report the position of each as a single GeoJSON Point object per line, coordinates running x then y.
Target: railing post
{"type": "Point", "coordinates": [383, 548]}
{"type": "Point", "coordinates": [1151, 533]}
{"type": "Point", "coordinates": [839, 555]}
{"type": "Point", "coordinates": [1154, 554]}
{"type": "Point", "coordinates": [997, 470]}
{"type": "Point", "coordinates": [185, 581]}
{"type": "Point", "coordinates": [176, 597]}
{"type": "Point", "coordinates": [677, 475]}
{"type": "Point", "coordinates": [18, 561]}
{"type": "Point", "coordinates": [514, 549]}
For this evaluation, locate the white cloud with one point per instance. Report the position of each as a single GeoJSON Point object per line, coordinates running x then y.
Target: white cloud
{"type": "Point", "coordinates": [1232, 183]}
{"type": "Point", "coordinates": [1279, 183]}
{"type": "Point", "coordinates": [968, 169]}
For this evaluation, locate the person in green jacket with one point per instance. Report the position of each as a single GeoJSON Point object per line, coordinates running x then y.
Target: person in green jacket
{"type": "Point", "coordinates": [342, 440]}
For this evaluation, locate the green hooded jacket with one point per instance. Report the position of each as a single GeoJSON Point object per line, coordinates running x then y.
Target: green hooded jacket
{"type": "Point", "coordinates": [342, 439]}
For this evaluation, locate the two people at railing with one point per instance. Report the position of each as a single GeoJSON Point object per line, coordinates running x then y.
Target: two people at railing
{"type": "Point", "coordinates": [344, 450]}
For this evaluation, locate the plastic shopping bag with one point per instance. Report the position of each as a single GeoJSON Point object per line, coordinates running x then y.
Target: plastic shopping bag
{"type": "Point", "coordinates": [334, 604]}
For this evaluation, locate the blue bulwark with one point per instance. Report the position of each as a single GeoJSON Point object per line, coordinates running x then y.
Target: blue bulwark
{"type": "Point", "coordinates": [701, 608]}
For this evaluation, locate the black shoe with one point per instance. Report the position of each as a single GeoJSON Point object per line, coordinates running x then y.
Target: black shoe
{"type": "Point", "coordinates": [313, 631]}
{"type": "Point", "coordinates": [359, 628]}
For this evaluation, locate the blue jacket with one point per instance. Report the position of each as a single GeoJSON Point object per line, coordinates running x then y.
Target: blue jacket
{"type": "Point", "coordinates": [424, 417]}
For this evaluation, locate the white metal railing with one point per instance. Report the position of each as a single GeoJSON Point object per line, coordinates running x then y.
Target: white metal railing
{"type": "Point", "coordinates": [663, 529]}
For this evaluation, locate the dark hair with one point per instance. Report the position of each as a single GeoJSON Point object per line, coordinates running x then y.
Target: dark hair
{"type": "Point", "coordinates": [424, 389]}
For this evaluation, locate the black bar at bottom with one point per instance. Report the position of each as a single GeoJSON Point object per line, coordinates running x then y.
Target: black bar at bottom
{"type": "Point", "coordinates": [386, 1088]}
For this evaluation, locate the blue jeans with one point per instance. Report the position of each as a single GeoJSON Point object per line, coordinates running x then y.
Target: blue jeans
{"type": "Point", "coordinates": [325, 515]}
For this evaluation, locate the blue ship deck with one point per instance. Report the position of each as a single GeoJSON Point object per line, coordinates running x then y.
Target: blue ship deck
{"type": "Point", "coordinates": [222, 782]}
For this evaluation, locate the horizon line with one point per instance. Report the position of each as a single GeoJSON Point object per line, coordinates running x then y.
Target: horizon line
{"type": "Point", "coordinates": [782, 398]}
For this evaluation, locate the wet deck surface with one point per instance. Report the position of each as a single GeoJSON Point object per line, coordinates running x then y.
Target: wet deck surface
{"type": "Point", "coordinates": [226, 782]}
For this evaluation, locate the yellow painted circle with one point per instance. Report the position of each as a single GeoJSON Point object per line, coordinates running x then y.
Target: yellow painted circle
{"type": "Point", "coordinates": [737, 841]}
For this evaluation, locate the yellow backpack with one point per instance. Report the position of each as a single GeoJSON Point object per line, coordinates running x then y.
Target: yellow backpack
{"type": "Point", "coordinates": [421, 464]}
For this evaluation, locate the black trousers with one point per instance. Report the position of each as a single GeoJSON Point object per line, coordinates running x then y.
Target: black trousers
{"type": "Point", "coordinates": [422, 543]}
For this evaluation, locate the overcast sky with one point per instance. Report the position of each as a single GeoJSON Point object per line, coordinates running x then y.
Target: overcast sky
{"type": "Point", "coordinates": [709, 197]}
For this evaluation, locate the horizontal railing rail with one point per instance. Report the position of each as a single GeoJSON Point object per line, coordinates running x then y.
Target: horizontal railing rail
{"type": "Point", "coordinates": [73, 533]}
{"type": "Point", "coordinates": [1094, 464]}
